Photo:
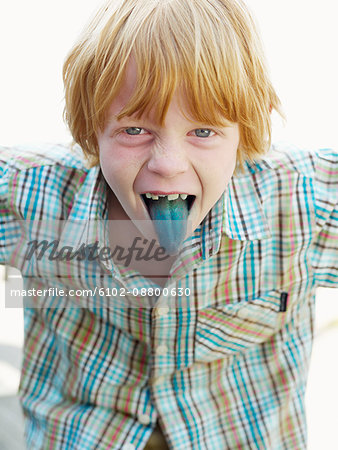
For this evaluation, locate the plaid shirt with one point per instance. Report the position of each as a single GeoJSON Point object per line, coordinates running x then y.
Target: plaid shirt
{"type": "Point", "coordinates": [225, 370]}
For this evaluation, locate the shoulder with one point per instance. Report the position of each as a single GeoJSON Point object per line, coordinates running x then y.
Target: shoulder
{"type": "Point", "coordinates": [297, 176]}
{"type": "Point", "coordinates": [26, 157]}
{"type": "Point", "coordinates": [42, 181]}
{"type": "Point", "coordinates": [285, 159]}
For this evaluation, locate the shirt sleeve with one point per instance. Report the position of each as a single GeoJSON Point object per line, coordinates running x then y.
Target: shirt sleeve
{"type": "Point", "coordinates": [4, 211]}
{"type": "Point", "coordinates": [326, 201]}
{"type": "Point", "coordinates": [10, 230]}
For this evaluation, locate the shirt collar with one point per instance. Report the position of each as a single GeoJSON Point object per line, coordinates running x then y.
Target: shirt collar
{"type": "Point", "coordinates": [85, 223]}
{"type": "Point", "coordinates": [244, 218]}
{"type": "Point", "coordinates": [238, 213]}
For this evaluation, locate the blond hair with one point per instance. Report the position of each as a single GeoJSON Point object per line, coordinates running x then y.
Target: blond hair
{"type": "Point", "coordinates": [210, 50]}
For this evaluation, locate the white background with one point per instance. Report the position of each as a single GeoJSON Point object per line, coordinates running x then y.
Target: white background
{"type": "Point", "coordinates": [300, 38]}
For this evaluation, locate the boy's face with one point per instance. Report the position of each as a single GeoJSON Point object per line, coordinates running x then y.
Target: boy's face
{"type": "Point", "coordinates": [183, 156]}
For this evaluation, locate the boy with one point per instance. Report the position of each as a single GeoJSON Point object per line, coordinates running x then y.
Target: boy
{"type": "Point", "coordinates": [170, 102]}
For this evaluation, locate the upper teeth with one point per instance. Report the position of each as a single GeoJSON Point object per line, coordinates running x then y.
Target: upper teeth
{"type": "Point", "coordinates": [170, 196]}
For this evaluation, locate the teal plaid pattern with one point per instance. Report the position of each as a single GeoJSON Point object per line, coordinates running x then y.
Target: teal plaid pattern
{"type": "Point", "coordinates": [226, 370]}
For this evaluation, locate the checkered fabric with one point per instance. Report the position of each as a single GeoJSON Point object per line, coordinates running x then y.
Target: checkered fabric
{"type": "Point", "coordinates": [222, 368]}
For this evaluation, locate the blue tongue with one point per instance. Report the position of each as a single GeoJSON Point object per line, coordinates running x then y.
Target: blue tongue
{"type": "Point", "coordinates": [170, 222]}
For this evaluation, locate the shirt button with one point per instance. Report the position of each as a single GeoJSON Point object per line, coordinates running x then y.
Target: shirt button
{"type": "Point", "coordinates": [161, 350]}
{"type": "Point", "coordinates": [244, 314]}
{"type": "Point", "coordinates": [159, 380]}
{"type": "Point", "coordinates": [129, 447]}
{"type": "Point", "coordinates": [144, 419]}
{"type": "Point", "coordinates": [162, 311]}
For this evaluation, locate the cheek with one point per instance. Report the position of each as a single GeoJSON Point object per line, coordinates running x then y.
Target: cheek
{"type": "Point", "coordinates": [227, 156]}
{"type": "Point", "coordinates": [221, 169]}
{"type": "Point", "coordinates": [110, 167]}
{"type": "Point", "coordinates": [220, 163]}
{"type": "Point", "coordinates": [114, 160]}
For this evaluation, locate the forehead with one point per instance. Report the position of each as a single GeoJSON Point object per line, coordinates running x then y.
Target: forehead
{"type": "Point", "coordinates": [131, 93]}
{"type": "Point", "coordinates": [127, 88]}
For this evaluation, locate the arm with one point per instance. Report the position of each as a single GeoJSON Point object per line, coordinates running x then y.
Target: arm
{"type": "Point", "coordinates": [325, 248]}
{"type": "Point", "coordinates": [4, 210]}
{"type": "Point", "coordinates": [10, 230]}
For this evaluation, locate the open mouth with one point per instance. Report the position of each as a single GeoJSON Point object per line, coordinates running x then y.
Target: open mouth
{"type": "Point", "coordinates": [169, 214]}
{"type": "Point", "coordinates": [149, 199]}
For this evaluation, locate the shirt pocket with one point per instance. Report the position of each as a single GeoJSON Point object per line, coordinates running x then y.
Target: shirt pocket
{"type": "Point", "coordinates": [231, 329]}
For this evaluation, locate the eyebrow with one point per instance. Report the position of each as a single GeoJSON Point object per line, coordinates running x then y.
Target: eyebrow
{"type": "Point", "coordinates": [146, 122]}
{"type": "Point", "coordinates": [126, 120]}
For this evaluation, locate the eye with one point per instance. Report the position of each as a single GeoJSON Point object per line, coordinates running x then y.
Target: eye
{"type": "Point", "coordinates": [203, 132]}
{"type": "Point", "coordinates": [134, 131]}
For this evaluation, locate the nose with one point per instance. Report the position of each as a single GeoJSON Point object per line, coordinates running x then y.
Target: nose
{"type": "Point", "coordinates": [168, 161]}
